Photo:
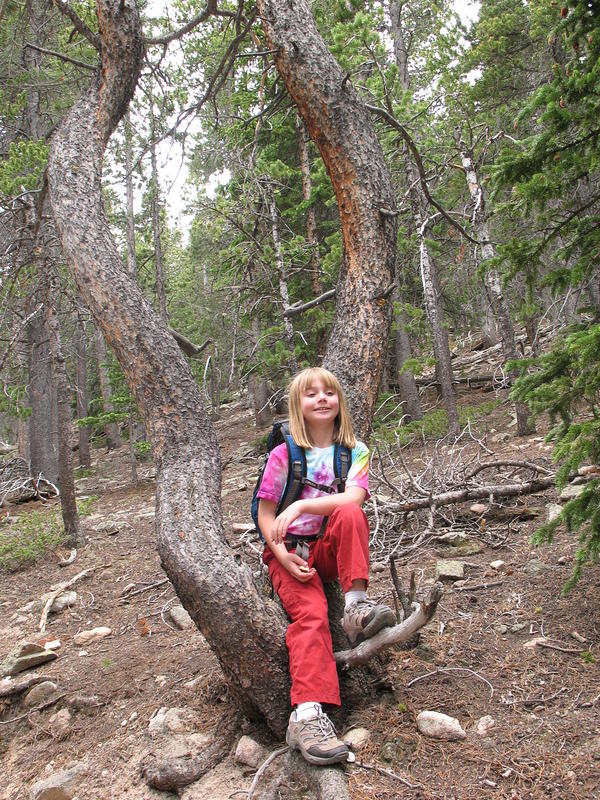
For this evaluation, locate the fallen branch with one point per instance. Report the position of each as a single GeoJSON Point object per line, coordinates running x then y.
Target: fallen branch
{"type": "Point", "coordinates": [54, 594]}
{"type": "Point", "coordinates": [450, 670]}
{"type": "Point", "coordinates": [551, 646]}
{"type": "Point", "coordinates": [390, 636]}
{"type": "Point", "coordinates": [66, 561]}
{"type": "Point", "coordinates": [389, 774]}
{"type": "Point", "coordinates": [476, 493]}
{"type": "Point", "coordinates": [263, 767]}
{"type": "Point", "coordinates": [145, 589]}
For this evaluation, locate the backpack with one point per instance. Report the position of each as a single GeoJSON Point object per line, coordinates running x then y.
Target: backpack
{"type": "Point", "coordinates": [296, 478]}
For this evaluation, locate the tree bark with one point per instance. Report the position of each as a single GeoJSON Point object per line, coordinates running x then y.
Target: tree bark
{"type": "Point", "coordinates": [341, 128]}
{"type": "Point", "coordinates": [246, 631]}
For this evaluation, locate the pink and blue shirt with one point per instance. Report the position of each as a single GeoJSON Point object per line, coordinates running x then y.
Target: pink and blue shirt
{"type": "Point", "coordinates": [319, 469]}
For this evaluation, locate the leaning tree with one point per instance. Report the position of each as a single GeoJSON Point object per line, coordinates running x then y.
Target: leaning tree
{"type": "Point", "coordinates": [245, 630]}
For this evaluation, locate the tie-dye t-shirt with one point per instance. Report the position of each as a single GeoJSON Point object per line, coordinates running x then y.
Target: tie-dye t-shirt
{"type": "Point", "coordinates": [319, 468]}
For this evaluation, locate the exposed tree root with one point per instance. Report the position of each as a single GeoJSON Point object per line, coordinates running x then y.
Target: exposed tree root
{"type": "Point", "coordinates": [168, 775]}
{"type": "Point", "coordinates": [324, 783]}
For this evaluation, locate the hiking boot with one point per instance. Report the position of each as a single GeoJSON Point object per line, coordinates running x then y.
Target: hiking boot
{"type": "Point", "coordinates": [316, 739]}
{"type": "Point", "coordinates": [364, 618]}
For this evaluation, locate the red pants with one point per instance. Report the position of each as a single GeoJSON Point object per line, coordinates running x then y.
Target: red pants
{"type": "Point", "coordinates": [342, 552]}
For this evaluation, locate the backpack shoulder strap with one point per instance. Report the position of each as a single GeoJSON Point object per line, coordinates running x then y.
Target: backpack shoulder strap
{"type": "Point", "coordinates": [342, 459]}
{"type": "Point", "coordinates": [296, 470]}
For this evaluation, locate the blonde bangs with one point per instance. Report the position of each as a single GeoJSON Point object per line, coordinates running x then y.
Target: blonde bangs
{"type": "Point", "coordinates": [342, 432]}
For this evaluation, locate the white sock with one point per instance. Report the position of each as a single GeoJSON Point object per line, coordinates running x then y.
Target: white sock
{"type": "Point", "coordinates": [354, 595]}
{"type": "Point", "coordinates": [307, 710]}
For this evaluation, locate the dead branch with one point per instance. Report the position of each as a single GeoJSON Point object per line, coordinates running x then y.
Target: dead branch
{"type": "Point", "coordinates": [390, 636]}
{"type": "Point", "coordinates": [211, 8]}
{"type": "Point", "coordinates": [62, 57]}
{"type": "Point", "coordinates": [476, 493]}
{"type": "Point", "coordinates": [506, 463]}
{"type": "Point", "coordinates": [145, 589]}
{"type": "Point", "coordinates": [55, 593]}
{"type": "Point", "coordinates": [66, 561]}
{"type": "Point", "coordinates": [78, 23]}
{"type": "Point", "coordinates": [263, 767]}
{"type": "Point", "coordinates": [188, 347]}
{"type": "Point", "coordinates": [298, 308]}
{"type": "Point", "coordinates": [389, 774]}
{"type": "Point", "coordinates": [449, 671]}
{"type": "Point", "coordinates": [17, 482]}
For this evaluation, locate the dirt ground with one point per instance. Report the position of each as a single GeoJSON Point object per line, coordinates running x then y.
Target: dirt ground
{"type": "Point", "coordinates": [473, 659]}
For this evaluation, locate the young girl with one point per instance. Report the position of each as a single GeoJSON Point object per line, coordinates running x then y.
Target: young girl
{"type": "Point", "coordinates": [318, 418]}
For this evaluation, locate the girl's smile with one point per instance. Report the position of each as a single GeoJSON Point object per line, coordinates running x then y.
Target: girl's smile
{"type": "Point", "coordinates": [319, 404]}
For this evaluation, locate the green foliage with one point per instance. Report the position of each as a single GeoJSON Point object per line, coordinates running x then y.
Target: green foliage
{"type": "Point", "coordinates": [23, 167]}
{"type": "Point", "coordinates": [85, 505]}
{"type": "Point", "coordinates": [565, 383]}
{"type": "Point", "coordinates": [29, 539]}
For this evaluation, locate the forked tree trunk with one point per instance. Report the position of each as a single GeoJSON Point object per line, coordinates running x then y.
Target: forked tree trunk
{"type": "Point", "coordinates": [246, 631]}
{"type": "Point", "coordinates": [341, 127]}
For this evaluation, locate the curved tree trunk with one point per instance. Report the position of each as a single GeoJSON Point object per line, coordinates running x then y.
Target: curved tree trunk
{"type": "Point", "coordinates": [246, 632]}
{"type": "Point", "coordinates": [342, 129]}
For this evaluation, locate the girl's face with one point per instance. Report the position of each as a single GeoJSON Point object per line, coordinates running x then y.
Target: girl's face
{"type": "Point", "coordinates": [319, 404]}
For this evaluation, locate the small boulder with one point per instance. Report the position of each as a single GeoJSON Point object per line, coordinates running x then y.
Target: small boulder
{"type": "Point", "coordinates": [357, 738]}
{"type": "Point", "coordinates": [498, 565]}
{"type": "Point", "coordinates": [377, 567]}
{"type": "Point", "coordinates": [250, 752]}
{"type": "Point", "coordinates": [60, 722]}
{"type": "Point", "coordinates": [26, 656]}
{"type": "Point", "coordinates": [40, 693]}
{"type": "Point", "coordinates": [181, 618]}
{"type": "Point", "coordinates": [439, 726]}
{"type": "Point", "coordinates": [448, 570]}
{"type": "Point", "coordinates": [61, 602]}
{"type": "Point", "coordinates": [554, 511]}
{"type": "Point", "coordinates": [571, 490]}
{"type": "Point", "coordinates": [92, 635]}
{"type": "Point", "coordinates": [535, 567]}
{"type": "Point", "coordinates": [59, 786]}
{"type": "Point", "coordinates": [483, 725]}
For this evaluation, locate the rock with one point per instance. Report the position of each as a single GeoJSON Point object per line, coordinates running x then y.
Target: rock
{"type": "Point", "coordinates": [464, 547]}
{"type": "Point", "coordinates": [33, 607]}
{"type": "Point", "coordinates": [554, 511]}
{"type": "Point", "coordinates": [357, 738]}
{"type": "Point", "coordinates": [168, 721]}
{"type": "Point", "coordinates": [84, 702]}
{"type": "Point", "coordinates": [447, 570]}
{"type": "Point", "coordinates": [535, 567]}
{"type": "Point", "coordinates": [377, 566]}
{"type": "Point", "coordinates": [109, 526]}
{"type": "Point", "coordinates": [453, 538]}
{"type": "Point", "coordinates": [92, 635]}
{"type": "Point", "coordinates": [498, 565]}
{"type": "Point", "coordinates": [501, 629]}
{"type": "Point", "coordinates": [26, 656]}
{"type": "Point", "coordinates": [59, 786]}
{"type": "Point", "coordinates": [483, 725]}
{"type": "Point", "coordinates": [53, 644]}
{"type": "Point", "coordinates": [250, 752]}
{"type": "Point", "coordinates": [181, 618]}
{"type": "Point", "coordinates": [439, 726]}
{"type": "Point", "coordinates": [478, 508]}
{"type": "Point", "coordinates": [571, 490]}
{"type": "Point", "coordinates": [40, 693]}
{"type": "Point", "coordinates": [60, 722]}
{"type": "Point", "coordinates": [242, 527]}
{"type": "Point", "coordinates": [61, 602]}
{"type": "Point", "coordinates": [519, 626]}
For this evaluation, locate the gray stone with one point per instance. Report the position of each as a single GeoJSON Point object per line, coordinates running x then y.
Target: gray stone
{"type": "Point", "coordinates": [447, 570]}
{"type": "Point", "coordinates": [535, 567]}
{"type": "Point", "coordinates": [357, 738]}
{"type": "Point", "coordinates": [377, 567]}
{"type": "Point", "coordinates": [571, 490]}
{"type": "Point", "coordinates": [60, 722]}
{"type": "Point", "coordinates": [439, 726]}
{"type": "Point", "coordinates": [501, 629]}
{"type": "Point", "coordinates": [60, 786]}
{"type": "Point", "coordinates": [181, 618]}
{"type": "Point", "coordinates": [40, 693]}
{"type": "Point", "coordinates": [519, 626]}
{"type": "Point", "coordinates": [26, 656]}
{"type": "Point", "coordinates": [250, 752]}
{"type": "Point", "coordinates": [453, 538]}
{"type": "Point", "coordinates": [554, 511]}
{"type": "Point", "coordinates": [63, 601]}
{"type": "Point", "coordinates": [484, 724]}
{"type": "Point", "coordinates": [108, 526]}
{"type": "Point", "coordinates": [169, 721]}
{"type": "Point", "coordinates": [92, 635]}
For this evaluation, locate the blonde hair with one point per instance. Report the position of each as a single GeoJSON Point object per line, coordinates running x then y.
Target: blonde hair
{"type": "Point", "coordinates": [342, 430]}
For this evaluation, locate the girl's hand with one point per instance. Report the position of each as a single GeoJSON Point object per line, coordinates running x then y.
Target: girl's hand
{"type": "Point", "coordinates": [298, 568]}
{"type": "Point", "coordinates": [284, 520]}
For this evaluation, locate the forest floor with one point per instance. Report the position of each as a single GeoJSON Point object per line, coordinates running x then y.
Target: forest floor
{"type": "Point", "coordinates": [477, 656]}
